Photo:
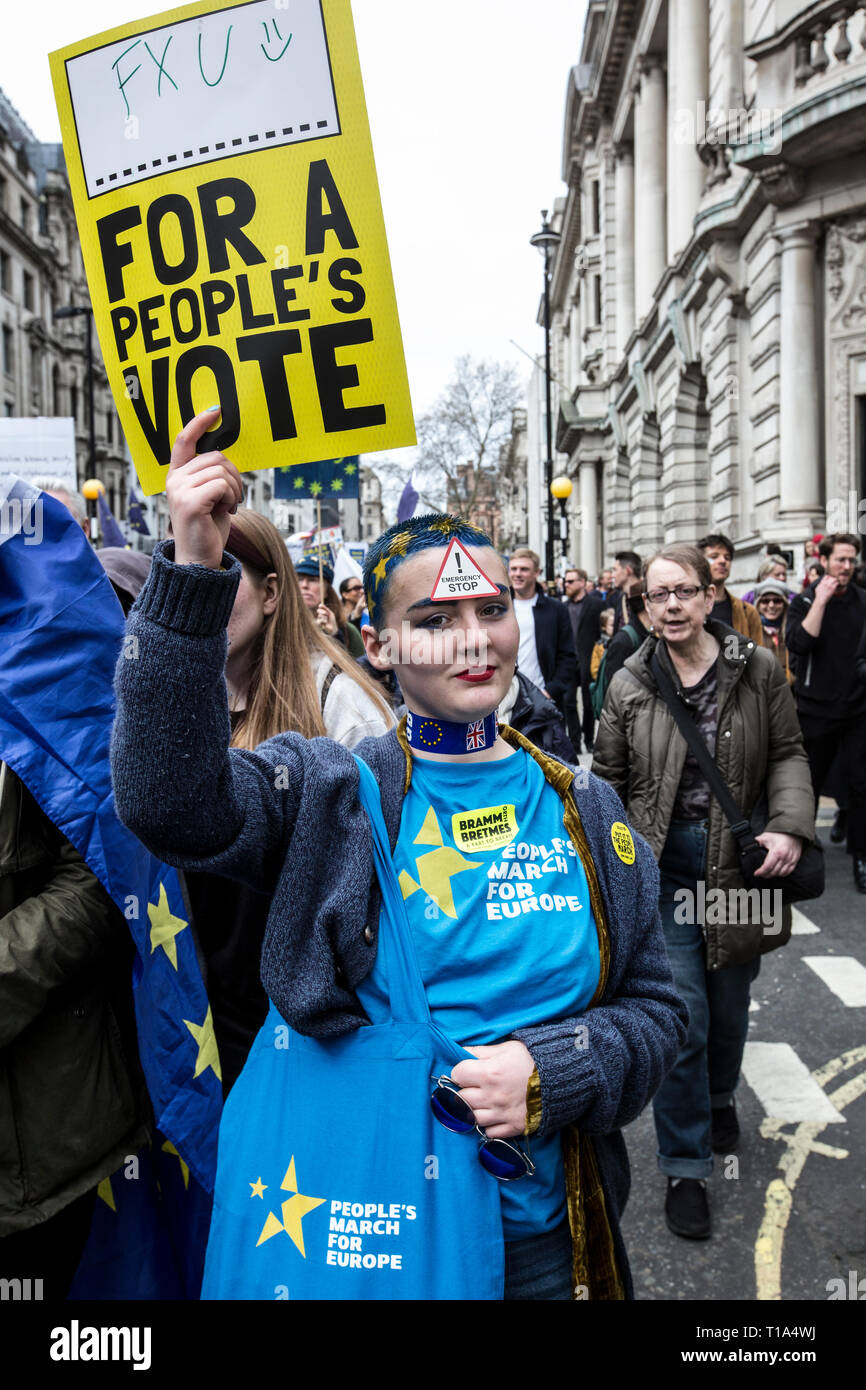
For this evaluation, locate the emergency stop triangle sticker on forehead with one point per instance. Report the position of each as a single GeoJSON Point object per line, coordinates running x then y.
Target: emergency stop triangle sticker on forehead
{"type": "Point", "coordinates": [461, 577]}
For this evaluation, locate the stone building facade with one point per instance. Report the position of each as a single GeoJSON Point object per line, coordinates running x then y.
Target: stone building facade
{"type": "Point", "coordinates": [709, 288]}
{"type": "Point", "coordinates": [43, 360]}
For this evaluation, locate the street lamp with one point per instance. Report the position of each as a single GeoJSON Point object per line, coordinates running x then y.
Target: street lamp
{"type": "Point", "coordinates": [90, 491]}
{"type": "Point", "coordinates": [546, 241]}
{"type": "Point", "coordinates": [561, 489]}
{"type": "Point", "coordinates": [73, 311]}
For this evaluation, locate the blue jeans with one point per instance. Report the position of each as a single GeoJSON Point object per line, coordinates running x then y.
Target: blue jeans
{"type": "Point", "coordinates": [539, 1267]}
{"type": "Point", "coordinates": [706, 1072]}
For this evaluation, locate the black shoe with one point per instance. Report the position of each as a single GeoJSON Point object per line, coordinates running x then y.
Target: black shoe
{"type": "Point", "coordinates": [839, 828]}
{"type": "Point", "coordinates": [686, 1208]}
{"type": "Point", "coordinates": [860, 872]}
{"type": "Point", "coordinates": [725, 1134]}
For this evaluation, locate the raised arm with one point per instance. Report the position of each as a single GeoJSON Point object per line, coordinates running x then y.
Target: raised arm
{"type": "Point", "coordinates": [191, 800]}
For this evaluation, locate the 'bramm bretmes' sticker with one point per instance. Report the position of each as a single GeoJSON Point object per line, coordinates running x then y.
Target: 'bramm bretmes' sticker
{"type": "Point", "coordinates": [488, 827]}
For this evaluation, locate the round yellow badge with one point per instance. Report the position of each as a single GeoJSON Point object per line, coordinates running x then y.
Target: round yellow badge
{"type": "Point", "coordinates": [622, 841]}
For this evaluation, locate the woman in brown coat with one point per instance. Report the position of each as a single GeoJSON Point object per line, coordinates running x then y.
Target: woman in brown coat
{"type": "Point", "coordinates": [737, 693]}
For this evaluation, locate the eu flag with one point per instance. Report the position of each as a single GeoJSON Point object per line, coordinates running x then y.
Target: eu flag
{"type": "Point", "coordinates": [332, 478]}
{"type": "Point", "coordinates": [61, 632]}
{"type": "Point", "coordinates": [135, 515]}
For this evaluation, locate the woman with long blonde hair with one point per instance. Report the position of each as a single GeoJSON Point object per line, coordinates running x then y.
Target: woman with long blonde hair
{"type": "Point", "coordinates": [271, 689]}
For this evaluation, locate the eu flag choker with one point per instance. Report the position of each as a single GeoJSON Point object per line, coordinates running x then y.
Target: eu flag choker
{"type": "Point", "coordinates": [446, 736]}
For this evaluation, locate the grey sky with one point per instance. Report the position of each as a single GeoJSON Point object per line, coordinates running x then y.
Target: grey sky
{"type": "Point", "coordinates": [466, 102]}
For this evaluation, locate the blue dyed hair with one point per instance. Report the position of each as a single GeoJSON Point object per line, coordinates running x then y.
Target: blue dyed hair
{"type": "Point", "coordinates": [409, 538]}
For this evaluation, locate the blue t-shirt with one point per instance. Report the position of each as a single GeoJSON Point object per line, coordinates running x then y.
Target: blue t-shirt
{"type": "Point", "coordinates": [504, 932]}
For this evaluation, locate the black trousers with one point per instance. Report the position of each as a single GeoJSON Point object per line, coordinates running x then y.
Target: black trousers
{"type": "Point", "coordinates": [580, 723]}
{"type": "Point", "coordinates": [824, 738]}
{"type": "Point", "coordinates": [50, 1251]}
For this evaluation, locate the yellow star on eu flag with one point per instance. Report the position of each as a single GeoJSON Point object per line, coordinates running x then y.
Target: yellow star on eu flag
{"type": "Point", "coordinates": [315, 489]}
{"type": "Point", "coordinates": [103, 1190]}
{"type": "Point", "coordinates": [164, 927]}
{"type": "Point", "coordinates": [168, 1148]}
{"type": "Point", "coordinates": [299, 483]}
{"type": "Point", "coordinates": [349, 469]}
{"type": "Point", "coordinates": [293, 1212]}
{"type": "Point", "coordinates": [337, 485]}
{"type": "Point", "coordinates": [208, 1055]}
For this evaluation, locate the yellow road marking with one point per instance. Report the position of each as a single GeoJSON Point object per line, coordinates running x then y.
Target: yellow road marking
{"type": "Point", "coordinates": [778, 1199]}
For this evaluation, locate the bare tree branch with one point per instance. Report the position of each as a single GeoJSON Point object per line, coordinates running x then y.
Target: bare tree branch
{"type": "Point", "coordinates": [460, 438]}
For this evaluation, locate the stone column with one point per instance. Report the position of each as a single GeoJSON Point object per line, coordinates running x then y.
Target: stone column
{"type": "Point", "coordinates": [688, 84]}
{"type": "Point", "coordinates": [588, 486]}
{"type": "Point", "coordinates": [625, 238]}
{"type": "Point", "coordinates": [799, 419]}
{"type": "Point", "coordinates": [650, 161]}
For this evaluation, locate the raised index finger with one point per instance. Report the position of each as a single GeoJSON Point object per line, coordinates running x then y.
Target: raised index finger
{"type": "Point", "coordinates": [184, 445]}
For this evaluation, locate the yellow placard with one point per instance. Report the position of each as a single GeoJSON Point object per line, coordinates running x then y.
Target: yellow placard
{"type": "Point", "coordinates": [487, 827]}
{"type": "Point", "coordinates": [223, 179]}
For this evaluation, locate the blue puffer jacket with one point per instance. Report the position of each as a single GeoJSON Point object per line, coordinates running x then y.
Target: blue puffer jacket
{"type": "Point", "coordinates": [285, 819]}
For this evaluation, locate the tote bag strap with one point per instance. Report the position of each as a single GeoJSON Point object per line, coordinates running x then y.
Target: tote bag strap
{"type": "Point", "coordinates": [397, 961]}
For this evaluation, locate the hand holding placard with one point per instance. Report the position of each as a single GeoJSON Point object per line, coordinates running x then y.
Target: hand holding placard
{"type": "Point", "coordinates": [203, 491]}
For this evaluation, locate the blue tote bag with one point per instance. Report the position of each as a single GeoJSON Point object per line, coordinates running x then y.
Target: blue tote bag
{"type": "Point", "coordinates": [334, 1180]}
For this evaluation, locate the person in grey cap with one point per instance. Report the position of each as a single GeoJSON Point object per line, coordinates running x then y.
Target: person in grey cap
{"type": "Point", "coordinates": [771, 601]}
{"type": "Point", "coordinates": [127, 570]}
{"type": "Point", "coordinates": [321, 598]}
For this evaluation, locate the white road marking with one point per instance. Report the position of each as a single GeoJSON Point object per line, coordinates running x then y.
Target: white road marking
{"type": "Point", "coordinates": [800, 924]}
{"type": "Point", "coordinates": [784, 1085]}
{"type": "Point", "coordinates": [844, 975]}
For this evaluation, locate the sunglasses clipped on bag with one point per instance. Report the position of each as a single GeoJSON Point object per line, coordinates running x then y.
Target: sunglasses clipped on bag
{"type": "Point", "coordinates": [496, 1156]}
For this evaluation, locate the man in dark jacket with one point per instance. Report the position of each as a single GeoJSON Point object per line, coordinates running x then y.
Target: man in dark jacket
{"type": "Point", "coordinates": [824, 630]}
{"type": "Point", "coordinates": [546, 653]}
{"type": "Point", "coordinates": [72, 1099]}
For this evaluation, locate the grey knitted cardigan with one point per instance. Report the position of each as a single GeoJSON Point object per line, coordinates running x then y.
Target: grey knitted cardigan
{"type": "Point", "coordinates": [285, 819]}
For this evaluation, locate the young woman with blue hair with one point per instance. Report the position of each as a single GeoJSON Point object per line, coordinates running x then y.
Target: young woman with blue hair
{"type": "Point", "coordinates": [527, 903]}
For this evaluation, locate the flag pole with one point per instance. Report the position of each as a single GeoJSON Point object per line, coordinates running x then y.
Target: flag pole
{"type": "Point", "coordinates": [319, 529]}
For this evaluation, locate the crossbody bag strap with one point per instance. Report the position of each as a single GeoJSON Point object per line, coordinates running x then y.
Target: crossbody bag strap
{"type": "Point", "coordinates": [740, 828]}
{"type": "Point", "coordinates": [326, 685]}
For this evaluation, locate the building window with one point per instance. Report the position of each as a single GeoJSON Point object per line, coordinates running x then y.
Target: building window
{"type": "Point", "coordinates": [73, 402]}
{"type": "Point", "coordinates": [55, 390]}
{"type": "Point", "coordinates": [109, 427]}
{"type": "Point", "coordinates": [9, 409]}
{"type": "Point", "coordinates": [596, 305]}
{"type": "Point", "coordinates": [8, 351]}
{"type": "Point", "coordinates": [25, 215]}
{"type": "Point", "coordinates": [595, 205]}
{"type": "Point", "coordinates": [5, 272]}
{"type": "Point", "coordinates": [3, 191]}
{"type": "Point", "coordinates": [29, 295]}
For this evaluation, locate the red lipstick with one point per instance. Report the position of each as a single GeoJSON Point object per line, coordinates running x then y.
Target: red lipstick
{"type": "Point", "coordinates": [478, 675]}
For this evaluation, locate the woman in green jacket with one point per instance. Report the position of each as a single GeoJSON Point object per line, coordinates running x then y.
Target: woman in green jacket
{"type": "Point", "coordinates": [737, 693]}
